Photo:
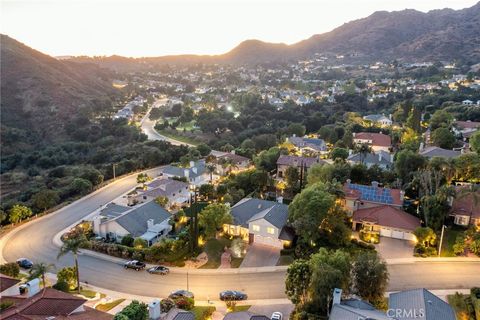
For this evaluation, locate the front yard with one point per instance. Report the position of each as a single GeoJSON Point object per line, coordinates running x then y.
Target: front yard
{"type": "Point", "coordinates": [449, 237]}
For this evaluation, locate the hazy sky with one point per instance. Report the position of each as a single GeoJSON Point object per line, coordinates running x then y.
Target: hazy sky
{"type": "Point", "coordinates": [153, 28]}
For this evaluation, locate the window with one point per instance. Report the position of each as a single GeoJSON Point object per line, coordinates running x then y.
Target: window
{"type": "Point", "coordinates": [270, 230]}
{"type": "Point", "coordinates": [256, 228]}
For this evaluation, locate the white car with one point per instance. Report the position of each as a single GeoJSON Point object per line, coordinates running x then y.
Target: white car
{"type": "Point", "coordinates": [276, 316]}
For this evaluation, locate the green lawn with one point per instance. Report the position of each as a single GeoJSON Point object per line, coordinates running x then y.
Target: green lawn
{"type": "Point", "coordinates": [108, 306]}
{"type": "Point", "coordinates": [449, 240]}
{"type": "Point", "coordinates": [179, 137]}
{"type": "Point", "coordinates": [241, 308]}
{"type": "Point", "coordinates": [236, 262]}
{"type": "Point", "coordinates": [90, 294]}
{"type": "Point", "coordinates": [214, 249]}
{"type": "Point", "coordinates": [202, 312]}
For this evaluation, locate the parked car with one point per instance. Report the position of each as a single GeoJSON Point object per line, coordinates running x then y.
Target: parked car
{"type": "Point", "coordinates": [276, 316]}
{"type": "Point", "coordinates": [25, 263]}
{"type": "Point", "coordinates": [158, 270]}
{"type": "Point", "coordinates": [134, 264]}
{"type": "Point", "coordinates": [232, 295]}
{"type": "Point", "coordinates": [181, 293]}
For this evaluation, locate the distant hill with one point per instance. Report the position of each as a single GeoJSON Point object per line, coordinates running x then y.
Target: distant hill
{"type": "Point", "coordinates": [404, 35]}
{"type": "Point", "coordinates": [39, 93]}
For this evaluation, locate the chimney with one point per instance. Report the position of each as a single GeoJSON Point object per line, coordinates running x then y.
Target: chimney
{"type": "Point", "coordinates": [280, 199]}
{"type": "Point", "coordinates": [402, 195]}
{"type": "Point", "coordinates": [421, 146]}
{"type": "Point", "coordinates": [349, 181]}
{"type": "Point", "coordinates": [154, 310]}
{"type": "Point", "coordinates": [337, 296]}
{"type": "Point", "coordinates": [150, 223]}
{"type": "Point", "coordinates": [379, 156]}
{"type": "Point", "coordinates": [350, 152]}
{"type": "Point", "coordinates": [192, 164]}
{"type": "Point", "coordinates": [375, 184]}
{"type": "Point", "coordinates": [353, 134]}
{"type": "Point", "coordinates": [30, 288]}
{"type": "Point", "coordinates": [194, 169]}
{"type": "Point", "coordinates": [186, 173]}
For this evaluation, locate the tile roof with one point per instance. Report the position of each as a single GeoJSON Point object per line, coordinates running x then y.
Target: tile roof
{"type": "Point", "coordinates": [432, 151]}
{"type": "Point", "coordinates": [379, 158]}
{"type": "Point", "coordinates": [184, 315]}
{"type": "Point", "coordinates": [235, 158]}
{"type": "Point", "coordinates": [373, 194]}
{"type": "Point", "coordinates": [378, 139]}
{"type": "Point", "coordinates": [423, 303]}
{"type": "Point", "coordinates": [247, 208]}
{"type": "Point", "coordinates": [7, 282]}
{"type": "Point", "coordinates": [302, 142]}
{"type": "Point", "coordinates": [297, 161]}
{"type": "Point", "coordinates": [346, 312]}
{"type": "Point", "coordinates": [464, 205]}
{"type": "Point", "coordinates": [135, 220]}
{"type": "Point", "coordinates": [113, 210]}
{"type": "Point", "coordinates": [387, 216]}
{"type": "Point", "coordinates": [468, 124]}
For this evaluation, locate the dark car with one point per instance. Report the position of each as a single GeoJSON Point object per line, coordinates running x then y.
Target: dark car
{"type": "Point", "coordinates": [134, 264]}
{"type": "Point", "coordinates": [232, 295]}
{"type": "Point", "coordinates": [181, 294]}
{"type": "Point", "coordinates": [25, 263]}
{"type": "Point", "coordinates": [158, 270]}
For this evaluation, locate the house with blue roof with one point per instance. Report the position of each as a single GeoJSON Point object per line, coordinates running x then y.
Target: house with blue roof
{"type": "Point", "coordinates": [260, 221]}
{"type": "Point", "coordinates": [308, 146]}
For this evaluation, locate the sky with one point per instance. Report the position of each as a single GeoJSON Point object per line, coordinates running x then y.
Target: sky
{"type": "Point", "coordinates": [153, 28]}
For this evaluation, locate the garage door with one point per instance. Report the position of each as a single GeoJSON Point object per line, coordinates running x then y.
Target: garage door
{"type": "Point", "coordinates": [397, 234]}
{"type": "Point", "coordinates": [409, 236]}
{"type": "Point", "coordinates": [384, 232]}
{"type": "Point", "coordinates": [268, 241]}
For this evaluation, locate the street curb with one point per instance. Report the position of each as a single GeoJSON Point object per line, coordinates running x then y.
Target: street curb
{"type": "Point", "coordinates": [430, 260]}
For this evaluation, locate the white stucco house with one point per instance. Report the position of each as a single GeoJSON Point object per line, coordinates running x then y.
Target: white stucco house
{"type": "Point", "coordinates": [260, 221]}
{"type": "Point", "coordinates": [177, 192]}
{"type": "Point", "coordinates": [379, 119]}
{"type": "Point", "coordinates": [196, 173]}
{"type": "Point", "coordinates": [148, 221]}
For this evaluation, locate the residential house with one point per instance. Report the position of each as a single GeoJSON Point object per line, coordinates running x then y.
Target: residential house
{"type": "Point", "coordinates": [432, 151]}
{"type": "Point", "coordinates": [388, 221]}
{"type": "Point", "coordinates": [227, 163]}
{"type": "Point", "coordinates": [196, 173]}
{"type": "Point", "coordinates": [380, 158]}
{"type": "Point", "coordinates": [244, 315]}
{"type": "Point", "coordinates": [260, 221]}
{"type": "Point", "coordinates": [377, 141]}
{"type": "Point", "coordinates": [8, 286]}
{"type": "Point", "coordinates": [177, 192]}
{"type": "Point", "coordinates": [284, 162]}
{"type": "Point", "coordinates": [379, 119]}
{"type": "Point", "coordinates": [464, 209]}
{"type": "Point", "coordinates": [308, 146]}
{"type": "Point", "coordinates": [178, 314]}
{"type": "Point", "coordinates": [31, 302]}
{"type": "Point", "coordinates": [465, 128]}
{"type": "Point", "coordinates": [359, 196]}
{"type": "Point", "coordinates": [149, 221]}
{"type": "Point", "coordinates": [467, 102]}
{"type": "Point", "coordinates": [404, 305]}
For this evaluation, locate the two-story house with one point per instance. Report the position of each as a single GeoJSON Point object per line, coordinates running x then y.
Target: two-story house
{"type": "Point", "coordinates": [195, 174]}
{"type": "Point", "coordinates": [177, 192]}
{"type": "Point", "coordinates": [377, 141]}
{"type": "Point", "coordinates": [308, 146]}
{"type": "Point", "coordinates": [284, 162]}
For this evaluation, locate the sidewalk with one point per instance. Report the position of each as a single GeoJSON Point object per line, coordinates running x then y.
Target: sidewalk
{"type": "Point", "coordinates": [432, 259]}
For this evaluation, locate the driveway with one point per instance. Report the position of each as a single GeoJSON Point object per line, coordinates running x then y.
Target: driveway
{"type": "Point", "coordinates": [390, 248]}
{"type": "Point", "coordinates": [268, 309]}
{"type": "Point", "coordinates": [260, 256]}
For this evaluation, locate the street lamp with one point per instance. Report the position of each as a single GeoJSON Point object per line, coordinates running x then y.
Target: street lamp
{"type": "Point", "coordinates": [194, 218]}
{"type": "Point", "coordinates": [441, 240]}
{"type": "Point", "coordinates": [114, 170]}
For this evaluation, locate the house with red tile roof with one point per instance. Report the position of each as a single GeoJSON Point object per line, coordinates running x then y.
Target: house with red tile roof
{"type": "Point", "coordinates": [34, 303]}
{"type": "Point", "coordinates": [464, 209]}
{"type": "Point", "coordinates": [389, 221]}
{"type": "Point", "coordinates": [377, 141]}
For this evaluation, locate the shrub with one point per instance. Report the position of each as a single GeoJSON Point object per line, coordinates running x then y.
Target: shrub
{"type": "Point", "coordinates": [166, 305]}
{"type": "Point", "coordinates": [127, 241]}
{"type": "Point", "coordinates": [369, 236]}
{"type": "Point", "coordinates": [134, 311]}
{"type": "Point", "coordinates": [475, 246]}
{"type": "Point", "coordinates": [67, 275]}
{"type": "Point", "coordinates": [6, 304]}
{"type": "Point", "coordinates": [10, 269]}
{"type": "Point", "coordinates": [140, 243]}
{"type": "Point", "coordinates": [185, 303]}
{"type": "Point", "coordinates": [459, 246]}
{"type": "Point", "coordinates": [62, 286]}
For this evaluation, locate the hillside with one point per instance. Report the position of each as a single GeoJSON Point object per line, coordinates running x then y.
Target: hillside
{"type": "Point", "coordinates": [40, 93]}
{"type": "Point", "coordinates": [404, 35]}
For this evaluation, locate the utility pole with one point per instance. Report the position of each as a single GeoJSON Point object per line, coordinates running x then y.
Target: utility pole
{"type": "Point", "coordinates": [441, 241]}
{"type": "Point", "coordinates": [188, 287]}
{"type": "Point", "coordinates": [194, 220]}
{"type": "Point", "coordinates": [114, 170]}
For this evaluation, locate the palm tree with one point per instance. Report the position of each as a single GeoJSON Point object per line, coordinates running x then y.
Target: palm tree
{"type": "Point", "coordinates": [73, 245]}
{"type": "Point", "coordinates": [39, 270]}
{"type": "Point", "coordinates": [473, 190]}
{"type": "Point", "coordinates": [363, 150]}
{"type": "Point", "coordinates": [211, 170]}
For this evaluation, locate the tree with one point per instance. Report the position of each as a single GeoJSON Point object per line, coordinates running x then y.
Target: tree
{"type": "Point", "coordinates": [435, 210]}
{"type": "Point", "coordinates": [414, 119]}
{"type": "Point", "coordinates": [142, 178]}
{"type": "Point", "coordinates": [319, 173]}
{"type": "Point", "coordinates": [210, 169]}
{"type": "Point", "coordinates": [339, 154]}
{"type": "Point", "coordinates": [73, 246]}
{"type": "Point", "coordinates": [425, 236]}
{"type": "Point", "coordinates": [406, 163]}
{"type": "Point", "coordinates": [204, 149]}
{"type": "Point", "coordinates": [443, 138]}
{"type": "Point", "coordinates": [127, 240]}
{"type": "Point", "coordinates": [81, 186]}
{"type": "Point", "coordinates": [292, 177]}
{"type": "Point", "coordinates": [296, 129]}
{"type": "Point", "coordinates": [330, 270]}
{"type": "Point", "coordinates": [207, 191]}
{"type": "Point", "coordinates": [68, 275]}
{"type": "Point", "coordinates": [297, 282]}
{"type": "Point", "coordinates": [10, 269]}
{"type": "Point", "coordinates": [140, 243]}
{"type": "Point", "coordinates": [45, 199]}
{"type": "Point", "coordinates": [440, 118]}
{"type": "Point", "coordinates": [267, 159]}
{"type": "Point", "coordinates": [134, 311]}
{"type": "Point", "coordinates": [370, 276]}
{"type": "Point", "coordinates": [161, 200]}
{"type": "Point", "coordinates": [19, 212]}
{"type": "Point", "coordinates": [475, 142]}
{"type": "Point", "coordinates": [39, 270]}
{"type": "Point", "coordinates": [213, 217]}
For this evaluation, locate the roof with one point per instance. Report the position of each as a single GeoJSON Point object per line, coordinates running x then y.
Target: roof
{"type": "Point", "coordinates": [468, 124]}
{"type": "Point", "coordinates": [297, 161]}
{"type": "Point", "coordinates": [244, 315]}
{"type": "Point", "coordinates": [373, 193]}
{"type": "Point", "coordinates": [378, 139]}
{"type": "Point", "coordinates": [312, 143]}
{"type": "Point", "coordinates": [347, 312]}
{"type": "Point", "coordinates": [235, 158]}
{"type": "Point", "coordinates": [387, 216]}
{"type": "Point", "coordinates": [7, 282]}
{"type": "Point", "coordinates": [247, 208]}
{"type": "Point", "coordinates": [287, 234]}
{"type": "Point", "coordinates": [135, 220]}
{"type": "Point", "coordinates": [426, 305]}
{"type": "Point", "coordinates": [113, 210]}
{"type": "Point", "coordinates": [194, 171]}
{"type": "Point", "coordinates": [277, 215]}
{"type": "Point", "coordinates": [433, 151]}
{"type": "Point", "coordinates": [376, 117]}
{"type": "Point", "coordinates": [164, 187]}
{"type": "Point", "coordinates": [465, 206]}
{"type": "Point", "coordinates": [184, 315]}
{"type": "Point", "coordinates": [379, 158]}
